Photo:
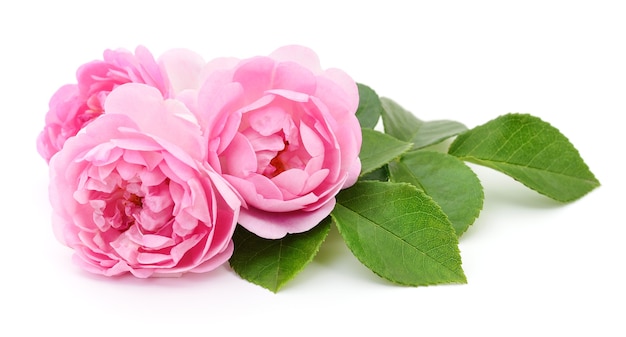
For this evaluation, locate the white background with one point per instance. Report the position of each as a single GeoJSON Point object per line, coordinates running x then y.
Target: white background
{"type": "Point", "coordinates": [534, 267]}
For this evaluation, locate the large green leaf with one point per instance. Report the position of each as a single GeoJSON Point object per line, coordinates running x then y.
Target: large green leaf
{"type": "Point", "coordinates": [271, 263]}
{"type": "Point", "coordinates": [446, 179]}
{"type": "Point", "coordinates": [370, 108]}
{"type": "Point", "coordinates": [399, 233]}
{"type": "Point", "coordinates": [530, 151]}
{"type": "Point", "coordinates": [378, 149]}
{"type": "Point", "coordinates": [403, 125]}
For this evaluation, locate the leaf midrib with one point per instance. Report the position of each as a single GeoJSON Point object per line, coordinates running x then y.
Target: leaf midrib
{"type": "Point", "coordinates": [480, 161]}
{"type": "Point", "coordinates": [455, 272]}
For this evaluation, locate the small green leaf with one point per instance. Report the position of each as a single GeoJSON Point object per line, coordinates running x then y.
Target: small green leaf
{"type": "Point", "coordinates": [446, 179]}
{"type": "Point", "coordinates": [403, 125]}
{"type": "Point", "coordinates": [399, 233]}
{"type": "Point", "coordinates": [370, 108]}
{"type": "Point", "coordinates": [378, 149]}
{"type": "Point", "coordinates": [532, 152]}
{"type": "Point", "coordinates": [271, 263]}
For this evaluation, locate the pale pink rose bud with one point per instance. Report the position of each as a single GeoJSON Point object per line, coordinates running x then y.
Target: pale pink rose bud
{"type": "Point", "coordinates": [74, 106]}
{"type": "Point", "coordinates": [284, 133]}
{"type": "Point", "coordinates": [132, 192]}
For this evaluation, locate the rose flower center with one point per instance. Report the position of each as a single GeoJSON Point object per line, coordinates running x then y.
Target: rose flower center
{"type": "Point", "coordinates": [122, 209]}
{"type": "Point", "coordinates": [277, 163]}
{"type": "Point", "coordinates": [120, 204]}
{"type": "Point", "coordinates": [135, 199]}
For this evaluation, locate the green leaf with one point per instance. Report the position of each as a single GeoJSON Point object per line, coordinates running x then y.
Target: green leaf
{"type": "Point", "coordinates": [403, 125]}
{"type": "Point", "coordinates": [271, 263]}
{"type": "Point", "coordinates": [380, 174]}
{"type": "Point", "coordinates": [370, 108]}
{"type": "Point", "coordinates": [532, 152]}
{"type": "Point", "coordinates": [446, 179]}
{"type": "Point", "coordinates": [399, 233]}
{"type": "Point", "coordinates": [378, 149]}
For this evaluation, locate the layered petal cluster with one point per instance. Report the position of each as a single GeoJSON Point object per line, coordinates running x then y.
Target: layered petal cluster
{"type": "Point", "coordinates": [74, 106]}
{"type": "Point", "coordinates": [283, 132]}
{"type": "Point", "coordinates": [153, 162]}
{"type": "Point", "coordinates": [133, 192]}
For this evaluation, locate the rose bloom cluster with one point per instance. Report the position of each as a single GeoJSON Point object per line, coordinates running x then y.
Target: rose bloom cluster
{"type": "Point", "coordinates": [154, 161]}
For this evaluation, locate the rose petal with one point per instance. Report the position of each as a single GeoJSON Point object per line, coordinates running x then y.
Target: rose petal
{"type": "Point", "coordinates": [311, 141]}
{"type": "Point", "coordinates": [254, 75]}
{"type": "Point", "coordinates": [268, 120]}
{"type": "Point", "coordinates": [299, 54]}
{"type": "Point", "coordinates": [152, 178]}
{"type": "Point", "coordinates": [198, 208]}
{"type": "Point", "coordinates": [153, 258]}
{"type": "Point", "coordinates": [239, 158]}
{"type": "Point", "coordinates": [314, 181]}
{"type": "Point", "coordinates": [353, 174]}
{"type": "Point", "coordinates": [291, 182]}
{"type": "Point", "coordinates": [294, 77]}
{"type": "Point", "coordinates": [179, 251]}
{"type": "Point", "coordinates": [183, 68]}
{"type": "Point", "coordinates": [272, 143]}
{"type": "Point", "coordinates": [133, 100]}
{"type": "Point", "coordinates": [290, 95]}
{"type": "Point", "coordinates": [127, 171]}
{"type": "Point", "coordinates": [215, 260]}
{"type": "Point", "coordinates": [271, 225]}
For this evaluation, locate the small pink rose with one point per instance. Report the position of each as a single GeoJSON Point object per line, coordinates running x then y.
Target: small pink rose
{"type": "Point", "coordinates": [133, 193]}
{"type": "Point", "coordinates": [74, 106]}
{"type": "Point", "coordinates": [284, 133]}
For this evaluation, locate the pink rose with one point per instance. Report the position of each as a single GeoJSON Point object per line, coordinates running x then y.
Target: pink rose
{"type": "Point", "coordinates": [75, 105]}
{"type": "Point", "coordinates": [283, 132]}
{"type": "Point", "coordinates": [132, 192]}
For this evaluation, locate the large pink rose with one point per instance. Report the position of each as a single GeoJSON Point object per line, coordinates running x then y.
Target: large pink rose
{"type": "Point", "coordinates": [283, 132]}
{"type": "Point", "coordinates": [133, 193]}
{"type": "Point", "coordinates": [75, 105]}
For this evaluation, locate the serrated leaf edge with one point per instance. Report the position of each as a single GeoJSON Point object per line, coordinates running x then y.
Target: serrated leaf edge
{"type": "Point", "coordinates": [593, 184]}
{"type": "Point", "coordinates": [476, 215]}
{"type": "Point", "coordinates": [463, 278]}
